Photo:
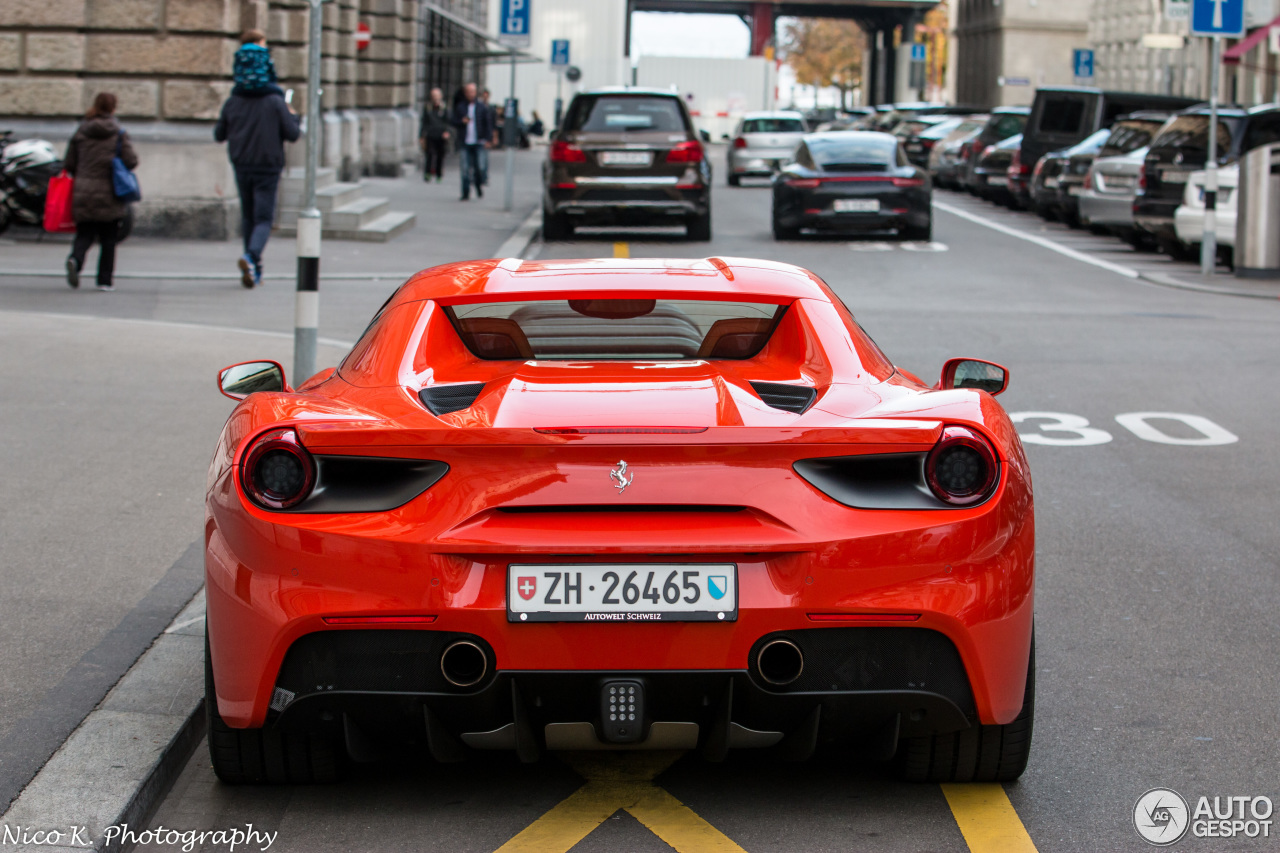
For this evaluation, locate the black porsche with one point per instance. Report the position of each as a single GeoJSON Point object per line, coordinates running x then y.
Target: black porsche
{"type": "Point", "coordinates": [852, 181]}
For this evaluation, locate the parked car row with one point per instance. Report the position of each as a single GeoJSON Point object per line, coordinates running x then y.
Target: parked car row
{"type": "Point", "coordinates": [1078, 156]}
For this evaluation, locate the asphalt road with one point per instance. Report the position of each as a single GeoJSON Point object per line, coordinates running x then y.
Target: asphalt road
{"type": "Point", "coordinates": [1157, 585]}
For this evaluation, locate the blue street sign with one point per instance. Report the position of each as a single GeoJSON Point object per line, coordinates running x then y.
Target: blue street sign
{"type": "Point", "coordinates": [917, 52]}
{"type": "Point", "coordinates": [1217, 18]}
{"type": "Point", "coordinates": [559, 53]}
{"type": "Point", "coordinates": [1082, 61]}
{"type": "Point", "coordinates": [513, 26]}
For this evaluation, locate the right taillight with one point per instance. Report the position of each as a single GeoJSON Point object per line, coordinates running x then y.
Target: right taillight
{"type": "Point", "coordinates": [961, 469]}
{"type": "Point", "coordinates": [803, 183]}
{"type": "Point", "coordinates": [277, 471]}
{"type": "Point", "coordinates": [1142, 178]}
{"type": "Point", "coordinates": [563, 152]}
{"type": "Point", "coordinates": [739, 142]}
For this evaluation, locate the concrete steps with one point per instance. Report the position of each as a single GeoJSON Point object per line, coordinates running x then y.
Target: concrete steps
{"type": "Point", "coordinates": [346, 213]}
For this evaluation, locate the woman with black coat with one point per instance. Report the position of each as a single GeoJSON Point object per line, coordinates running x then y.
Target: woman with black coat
{"type": "Point", "coordinates": [94, 207]}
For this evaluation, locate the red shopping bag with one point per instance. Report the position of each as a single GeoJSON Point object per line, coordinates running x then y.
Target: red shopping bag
{"type": "Point", "coordinates": [57, 204]}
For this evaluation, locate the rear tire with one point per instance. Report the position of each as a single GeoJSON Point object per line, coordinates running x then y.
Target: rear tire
{"type": "Point", "coordinates": [1176, 249]}
{"type": "Point", "coordinates": [698, 228]}
{"type": "Point", "coordinates": [556, 226]}
{"type": "Point", "coordinates": [918, 233]}
{"type": "Point", "coordinates": [976, 754]}
{"type": "Point", "coordinates": [784, 232]}
{"type": "Point", "coordinates": [734, 180]}
{"type": "Point", "coordinates": [256, 756]}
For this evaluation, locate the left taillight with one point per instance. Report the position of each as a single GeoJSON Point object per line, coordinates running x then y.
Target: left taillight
{"type": "Point", "coordinates": [277, 472]}
{"type": "Point", "coordinates": [689, 151]}
{"type": "Point", "coordinates": [563, 152]}
{"type": "Point", "coordinates": [962, 468]}
{"type": "Point", "coordinates": [903, 183]}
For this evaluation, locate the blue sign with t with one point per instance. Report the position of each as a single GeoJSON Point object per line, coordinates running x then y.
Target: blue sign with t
{"type": "Point", "coordinates": [1217, 18]}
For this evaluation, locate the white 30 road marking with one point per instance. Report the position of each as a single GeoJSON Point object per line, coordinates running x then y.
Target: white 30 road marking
{"type": "Point", "coordinates": [1074, 431]}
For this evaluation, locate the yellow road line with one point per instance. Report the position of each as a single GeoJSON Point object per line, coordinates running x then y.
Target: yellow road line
{"type": "Point", "coordinates": [620, 782]}
{"type": "Point", "coordinates": [987, 819]}
{"type": "Point", "coordinates": [621, 250]}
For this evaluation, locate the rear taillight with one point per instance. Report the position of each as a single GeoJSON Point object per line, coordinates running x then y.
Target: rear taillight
{"type": "Point", "coordinates": [739, 142]}
{"type": "Point", "coordinates": [563, 152]}
{"type": "Point", "coordinates": [1016, 167]}
{"type": "Point", "coordinates": [966, 149]}
{"type": "Point", "coordinates": [1088, 181]}
{"type": "Point", "coordinates": [803, 183]}
{"type": "Point", "coordinates": [689, 151]}
{"type": "Point", "coordinates": [277, 472]}
{"type": "Point", "coordinates": [928, 144]}
{"type": "Point", "coordinates": [902, 183]}
{"type": "Point", "coordinates": [1142, 178]}
{"type": "Point", "coordinates": [961, 469]}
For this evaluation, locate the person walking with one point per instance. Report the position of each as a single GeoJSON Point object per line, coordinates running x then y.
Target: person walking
{"type": "Point", "coordinates": [433, 136]}
{"type": "Point", "coordinates": [255, 122]}
{"type": "Point", "coordinates": [97, 212]}
{"type": "Point", "coordinates": [474, 124]}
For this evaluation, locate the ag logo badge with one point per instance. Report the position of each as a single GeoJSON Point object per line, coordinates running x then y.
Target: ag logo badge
{"type": "Point", "coordinates": [717, 585]}
{"type": "Point", "coordinates": [1161, 817]}
{"type": "Point", "coordinates": [527, 587]}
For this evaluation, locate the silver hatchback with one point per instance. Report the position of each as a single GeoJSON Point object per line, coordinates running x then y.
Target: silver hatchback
{"type": "Point", "coordinates": [763, 143]}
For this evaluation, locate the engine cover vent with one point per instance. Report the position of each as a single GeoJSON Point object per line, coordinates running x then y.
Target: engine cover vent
{"type": "Point", "coordinates": [443, 399]}
{"type": "Point", "coordinates": [789, 398]}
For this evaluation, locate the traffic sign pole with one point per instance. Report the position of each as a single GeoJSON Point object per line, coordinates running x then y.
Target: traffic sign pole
{"type": "Point", "coordinates": [306, 308]}
{"type": "Point", "coordinates": [1209, 240]}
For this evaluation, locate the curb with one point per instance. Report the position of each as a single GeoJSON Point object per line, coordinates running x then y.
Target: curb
{"type": "Point", "coordinates": [517, 245]}
{"type": "Point", "coordinates": [1170, 281]}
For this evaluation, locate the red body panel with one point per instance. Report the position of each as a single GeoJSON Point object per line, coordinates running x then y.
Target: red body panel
{"type": "Point", "coordinates": [274, 576]}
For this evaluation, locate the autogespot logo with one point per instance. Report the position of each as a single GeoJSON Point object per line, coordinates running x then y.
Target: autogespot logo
{"type": "Point", "coordinates": [1161, 817]}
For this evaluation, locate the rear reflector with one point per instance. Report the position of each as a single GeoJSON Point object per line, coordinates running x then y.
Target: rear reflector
{"type": "Point", "coordinates": [619, 430]}
{"type": "Point", "coordinates": [864, 617]}
{"type": "Point", "coordinates": [379, 620]}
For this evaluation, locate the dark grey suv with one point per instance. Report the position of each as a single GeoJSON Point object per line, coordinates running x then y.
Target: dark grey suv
{"type": "Point", "coordinates": [626, 157]}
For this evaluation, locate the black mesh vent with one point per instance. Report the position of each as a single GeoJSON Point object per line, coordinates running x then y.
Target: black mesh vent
{"type": "Point", "coordinates": [841, 659]}
{"type": "Point", "coordinates": [443, 399]}
{"type": "Point", "coordinates": [377, 661]}
{"type": "Point", "coordinates": [789, 398]}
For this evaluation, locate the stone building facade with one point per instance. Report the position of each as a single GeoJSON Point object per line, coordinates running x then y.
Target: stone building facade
{"type": "Point", "coordinates": [1005, 49]}
{"type": "Point", "coordinates": [169, 63]}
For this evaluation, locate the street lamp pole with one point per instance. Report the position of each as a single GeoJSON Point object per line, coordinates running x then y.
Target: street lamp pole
{"type": "Point", "coordinates": [1209, 239]}
{"type": "Point", "coordinates": [306, 308]}
{"type": "Point", "coordinates": [510, 131]}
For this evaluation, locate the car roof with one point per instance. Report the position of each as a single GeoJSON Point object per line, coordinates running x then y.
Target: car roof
{"type": "Point", "coordinates": [849, 134]}
{"type": "Point", "coordinates": [1020, 111]}
{"type": "Point", "coordinates": [773, 114]}
{"type": "Point", "coordinates": [631, 90]}
{"type": "Point", "coordinates": [513, 279]}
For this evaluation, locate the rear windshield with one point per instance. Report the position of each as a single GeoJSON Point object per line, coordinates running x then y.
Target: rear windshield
{"type": "Point", "coordinates": [1005, 126]}
{"type": "Point", "coordinates": [1130, 135]}
{"type": "Point", "coordinates": [837, 154]}
{"type": "Point", "coordinates": [1192, 133]}
{"type": "Point", "coordinates": [621, 113]}
{"type": "Point", "coordinates": [1062, 114]}
{"type": "Point", "coordinates": [772, 125]}
{"type": "Point", "coordinates": [615, 329]}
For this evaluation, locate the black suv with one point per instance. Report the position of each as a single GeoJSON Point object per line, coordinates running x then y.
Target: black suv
{"type": "Point", "coordinates": [1182, 147]}
{"type": "Point", "coordinates": [1003, 123]}
{"type": "Point", "coordinates": [626, 156]}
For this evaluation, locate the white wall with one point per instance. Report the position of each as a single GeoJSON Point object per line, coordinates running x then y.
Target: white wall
{"type": "Point", "coordinates": [596, 30]}
{"type": "Point", "coordinates": [717, 91]}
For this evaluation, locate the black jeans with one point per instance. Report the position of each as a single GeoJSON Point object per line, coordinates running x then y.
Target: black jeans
{"type": "Point", "coordinates": [435, 158]}
{"type": "Point", "coordinates": [257, 209]}
{"type": "Point", "coordinates": [105, 233]}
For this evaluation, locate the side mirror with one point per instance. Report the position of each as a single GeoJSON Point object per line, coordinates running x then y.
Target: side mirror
{"type": "Point", "coordinates": [974, 373]}
{"type": "Point", "coordinates": [704, 136]}
{"type": "Point", "coordinates": [240, 380]}
{"type": "Point", "coordinates": [724, 137]}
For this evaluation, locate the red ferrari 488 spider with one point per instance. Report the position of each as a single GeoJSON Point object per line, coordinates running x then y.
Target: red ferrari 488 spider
{"type": "Point", "coordinates": [618, 504]}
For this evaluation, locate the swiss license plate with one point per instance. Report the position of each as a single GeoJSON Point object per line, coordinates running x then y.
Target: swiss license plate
{"type": "Point", "coordinates": [915, 146]}
{"type": "Point", "coordinates": [856, 205]}
{"type": "Point", "coordinates": [1120, 181]}
{"type": "Point", "coordinates": [1074, 189]}
{"type": "Point", "coordinates": [623, 592]}
{"type": "Point", "coordinates": [997, 182]}
{"type": "Point", "coordinates": [625, 158]}
{"type": "Point", "coordinates": [1052, 183]}
{"type": "Point", "coordinates": [1170, 176]}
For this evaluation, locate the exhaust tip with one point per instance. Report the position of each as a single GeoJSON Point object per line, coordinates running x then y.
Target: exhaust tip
{"type": "Point", "coordinates": [780, 662]}
{"type": "Point", "coordinates": [463, 664]}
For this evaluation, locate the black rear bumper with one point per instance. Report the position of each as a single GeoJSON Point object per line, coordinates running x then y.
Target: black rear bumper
{"type": "Point", "coordinates": [858, 686]}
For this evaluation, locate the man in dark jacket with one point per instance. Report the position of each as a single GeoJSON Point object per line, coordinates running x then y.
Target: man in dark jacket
{"type": "Point", "coordinates": [433, 134]}
{"type": "Point", "coordinates": [475, 128]}
{"type": "Point", "coordinates": [255, 127]}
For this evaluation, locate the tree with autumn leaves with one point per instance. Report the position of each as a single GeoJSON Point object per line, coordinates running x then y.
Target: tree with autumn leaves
{"type": "Point", "coordinates": [825, 52]}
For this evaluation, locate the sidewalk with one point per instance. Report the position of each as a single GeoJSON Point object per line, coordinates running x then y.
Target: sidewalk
{"type": "Point", "coordinates": [1224, 283]}
{"type": "Point", "coordinates": [447, 230]}
{"type": "Point", "coordinates": [197, 282]}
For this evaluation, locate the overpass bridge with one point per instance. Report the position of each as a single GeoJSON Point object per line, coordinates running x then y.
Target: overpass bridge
{"type": "Point", "coordinates": [878, 18]}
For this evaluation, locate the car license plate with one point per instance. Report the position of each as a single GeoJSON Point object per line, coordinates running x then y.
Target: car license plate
{"type": "Point", "coordinates": [1170, 176]}
{"type": "Point", "coordinates": [998, 182]}
{"type": "Point", "coordinates": [625, 158]}
{"type": "Point", "coordinates": [1074, 189]}
{"type": "Point", "coordinates": [915, 146]}
{"type": "Point", "coordinates": [1052, 183]}
{"type": "Point", "coordinates": [622, 592]}
{"type": "Point", "coordinates": [1119, 180]}
{"type": "Point", "coordinates": [856, 205]}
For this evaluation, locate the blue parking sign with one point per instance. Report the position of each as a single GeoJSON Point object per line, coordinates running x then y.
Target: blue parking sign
{"type": "Point", "coordinates": [917, 52]}
{"type": "Point", "coordinates": [559, 53]}
{"type": "Point", "coordinates": [1217, 18]}
{"type": "Point", "coordinates": [513, 25]}
{"type": "Point", "coordinates": [1082, 60]}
